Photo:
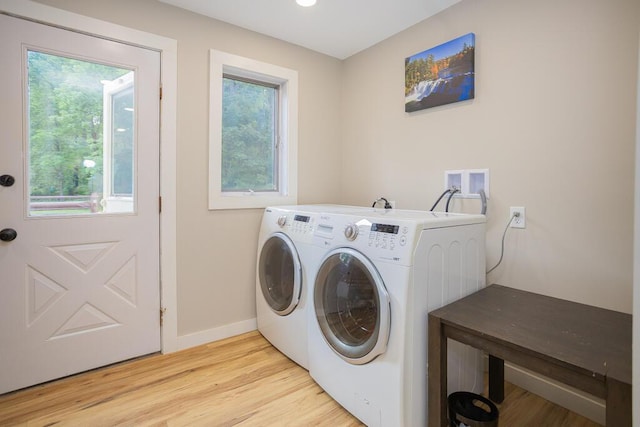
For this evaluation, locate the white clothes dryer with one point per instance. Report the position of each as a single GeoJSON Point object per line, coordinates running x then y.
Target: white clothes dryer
{"type": "Point", "coordinates": [381, 274]}
{"type": "Point", "coordinates": [282, 279]}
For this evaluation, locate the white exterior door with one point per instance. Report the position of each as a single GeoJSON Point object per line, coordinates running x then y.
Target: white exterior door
{"type": "Point", "coordinates": [79, 204]}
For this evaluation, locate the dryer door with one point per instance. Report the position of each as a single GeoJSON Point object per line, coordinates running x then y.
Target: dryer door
{"type": "Point", "coordinates": [280, 274]}
{"type": "Point", "coordinates": [352, 306]}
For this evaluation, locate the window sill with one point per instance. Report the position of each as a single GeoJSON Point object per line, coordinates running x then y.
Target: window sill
{"type": "Point", "coordinates": [254, 201]}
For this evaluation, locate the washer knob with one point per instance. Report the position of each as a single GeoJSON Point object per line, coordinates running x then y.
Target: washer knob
{"type": "Point", "coordinates": [282, 220]}
{"type": "Point", "coordinates": [351, 232]}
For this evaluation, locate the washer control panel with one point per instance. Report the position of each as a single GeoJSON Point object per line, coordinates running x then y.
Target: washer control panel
{"type": "Point", "coordinates": [388, 240]}
{"type": "Point", "coordinates": [388, 236]}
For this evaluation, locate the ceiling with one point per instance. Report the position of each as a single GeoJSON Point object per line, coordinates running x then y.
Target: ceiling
{"type": "Point", "coordinates": [339, 28]}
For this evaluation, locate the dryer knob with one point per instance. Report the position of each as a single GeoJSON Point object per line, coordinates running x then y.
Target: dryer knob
{"type": "Point", "coordinates": [351, 232]}
{"type": "Point", "coordinates": [282, 220]}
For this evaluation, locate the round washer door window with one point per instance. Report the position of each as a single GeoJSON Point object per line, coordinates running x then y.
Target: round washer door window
{"type": "Point", "coordinates": [280, 274]}
{"type": "Point", "coordinates": [352, 306]}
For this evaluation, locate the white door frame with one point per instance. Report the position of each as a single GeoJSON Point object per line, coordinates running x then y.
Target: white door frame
{"type": "Point", "coordinates": [168, 49]}
{"type": "Point", "coordinates": [636, 267]}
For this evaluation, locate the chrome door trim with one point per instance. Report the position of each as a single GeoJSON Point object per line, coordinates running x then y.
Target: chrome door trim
{"type": "Point", "coordinates": [376, 344]}
{"type": "Point", "coordinates": [297, 275]}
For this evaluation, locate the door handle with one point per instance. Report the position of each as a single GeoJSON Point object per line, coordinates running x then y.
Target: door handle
{"type": "Point", "coordinates": [8, 234]}
{"type": "Point", "coordinates": [7, 180]}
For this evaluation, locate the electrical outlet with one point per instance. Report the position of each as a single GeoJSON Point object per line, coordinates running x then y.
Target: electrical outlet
{"type": "Point", "coordinates": [520, 221]}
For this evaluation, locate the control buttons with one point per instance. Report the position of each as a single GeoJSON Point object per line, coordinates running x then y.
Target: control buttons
{"type": "Point", "coordinates": [301, 227]}
{"type": "Point", "coordinates": [351, 232]}
{"type": "Point", "coordinates": [385, 241]}
{"type": "Point", "coordinates": [294, 225]}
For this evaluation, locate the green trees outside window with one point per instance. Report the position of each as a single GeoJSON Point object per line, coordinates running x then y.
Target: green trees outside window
{"type": "Point", "coordinates": [249, 136]}
{"type": "Point", "coordinates": [66, 124]}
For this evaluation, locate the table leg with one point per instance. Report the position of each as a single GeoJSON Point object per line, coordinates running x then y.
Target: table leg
{"type": "Point", "coordinates": [618, 403]}
{"type": "Point", "coordinates": [496, 379]}
{"type": "Point", "coordinates": [437, 381]}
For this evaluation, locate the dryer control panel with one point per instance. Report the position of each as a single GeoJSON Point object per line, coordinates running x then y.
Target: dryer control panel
{"type": "Point", "coordinates": [297, 226]}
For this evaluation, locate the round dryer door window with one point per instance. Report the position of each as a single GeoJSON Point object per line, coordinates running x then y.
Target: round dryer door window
{"type": "Point", "coordinates": [352, 306]}
{"type": "Point", "coordinates": [280, 274]}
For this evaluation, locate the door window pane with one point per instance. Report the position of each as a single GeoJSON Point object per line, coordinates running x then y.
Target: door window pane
{"type": "Point", "coordinates": [80, 136]}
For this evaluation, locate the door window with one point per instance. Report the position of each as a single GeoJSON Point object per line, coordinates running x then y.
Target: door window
{"type": "Point", "coordinates": [352, 306]}
{"type": "Point", "coordinates": [80, 136]}
{"type": "Point", "coordinates": [280, 274]}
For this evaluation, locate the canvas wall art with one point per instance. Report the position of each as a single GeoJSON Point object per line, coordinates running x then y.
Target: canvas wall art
{"type": "Point", "coordinates": [440, 75]}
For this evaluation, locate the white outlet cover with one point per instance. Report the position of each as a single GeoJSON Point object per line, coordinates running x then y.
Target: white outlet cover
{"type": "Point", "coordinates": [520, 221]}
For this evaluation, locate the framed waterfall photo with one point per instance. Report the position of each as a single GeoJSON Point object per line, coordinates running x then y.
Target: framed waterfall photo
{"type": "Point", "coordinates": [441, 75]}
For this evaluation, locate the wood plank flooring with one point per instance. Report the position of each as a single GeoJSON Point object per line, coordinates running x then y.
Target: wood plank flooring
{"type": "Point", "coordinates": [240, 381]}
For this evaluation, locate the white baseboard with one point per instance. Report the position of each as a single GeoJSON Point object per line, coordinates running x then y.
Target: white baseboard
{"type": "Point", "coordinates": [216, 334]}
{"type": "Point", "coordinates": [568, 397]}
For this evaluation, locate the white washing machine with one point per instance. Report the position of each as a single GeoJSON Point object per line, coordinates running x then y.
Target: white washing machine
{"type": "Point", "coordinates": [282, 279]}
{"type": "Point", "coordinates": [381, 273]}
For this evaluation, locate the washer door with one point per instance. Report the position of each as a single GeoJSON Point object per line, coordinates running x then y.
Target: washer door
{"type": "Point", "coordinates": [352, 306]}
{"type": "Point", "coordinates": [280, 274]}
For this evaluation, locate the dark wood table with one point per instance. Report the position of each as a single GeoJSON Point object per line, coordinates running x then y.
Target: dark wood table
{"type": "Point", "coordinates": [586, 347]}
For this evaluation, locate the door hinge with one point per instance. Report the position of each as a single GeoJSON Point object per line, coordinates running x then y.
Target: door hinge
{"type": "Point", "coordinates": [162, 311]}
{"type": "Point", "coordinates": [160, 92]}
{"type": "Point", "coordinates": [159, 204]}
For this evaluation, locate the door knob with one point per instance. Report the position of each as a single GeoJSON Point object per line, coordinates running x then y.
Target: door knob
{"type": "Point", "coordinates": [8, 234]}
{"type": "Point", "coordinates": [7, 180]}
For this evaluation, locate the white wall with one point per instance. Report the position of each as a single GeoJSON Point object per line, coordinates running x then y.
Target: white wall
{"type": "Point", "coordinates": [216, 250]}
{"type": "Point", "coordinates": [553, 120]}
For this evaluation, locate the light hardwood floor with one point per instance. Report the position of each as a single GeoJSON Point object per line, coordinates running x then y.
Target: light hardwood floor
{"type": "Point", "coordinates": [240, 381]}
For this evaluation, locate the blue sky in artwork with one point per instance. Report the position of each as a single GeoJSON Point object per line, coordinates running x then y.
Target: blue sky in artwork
{"type": "Point", "coordinates": [446, 49]}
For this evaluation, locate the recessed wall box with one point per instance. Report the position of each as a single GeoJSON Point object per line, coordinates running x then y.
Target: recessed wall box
{"type": "Point", "coordinates": [468, 181]}
{"type": "Point", "coordinates": [478, 179]}
{"type": "Point", "coordinates": [453, 179]}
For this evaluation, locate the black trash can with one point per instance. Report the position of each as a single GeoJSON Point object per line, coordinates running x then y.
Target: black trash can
{"type": "Point", "coordinates": [471, 410]}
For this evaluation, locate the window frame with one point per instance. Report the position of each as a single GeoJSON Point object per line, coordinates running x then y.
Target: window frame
{"type": "Point", "coordinates": [225, 64]}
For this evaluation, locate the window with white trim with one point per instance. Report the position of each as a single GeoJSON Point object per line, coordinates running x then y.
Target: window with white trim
{"type": "Point", "coordinates": [253, 133]}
